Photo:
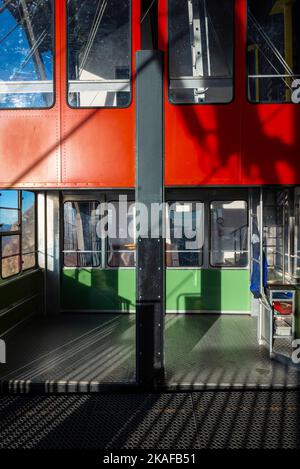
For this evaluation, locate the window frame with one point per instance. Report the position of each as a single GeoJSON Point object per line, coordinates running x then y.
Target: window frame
{"type": "Point", "coordinates": [225, 267]}
{"type": "Point", "coordinates": [35, 252]}
{"type": "Point", "coordinates": [202, 251]}
{"type": "Point", "coordinates": [19, 256]}
{"type": "Point", "coordinates": [19, 233]}
{"type": "Point", "coordinates": [43, 108]}
{"type": "Point", "coordinates": [63, 251]}
{"type": "Point", "coordinates": [233, 63]}
{"type": "Point", "coordinates": [257, 103]}
{"type": "Point", "coordinates": [130, 64]}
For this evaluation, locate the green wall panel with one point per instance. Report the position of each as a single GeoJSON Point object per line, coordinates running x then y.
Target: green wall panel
{"type": "Point", "coordinates": [187, 290]}
{"type": "Point", "coordinates": [211, 290]}
{"type": "Point", "coordinates": [112, 290]}
{"type": "Point", "coordinates": [14, 292]}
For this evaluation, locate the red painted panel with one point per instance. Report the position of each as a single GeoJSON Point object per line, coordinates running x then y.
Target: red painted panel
{"type": "Point", "coordinates": [64, 147]}
{"type": "Point", "coordinates": [29, 148]}
{"type": "Point", "coordinates": [203, 142]}
{"type": "Point", "coordinates": [271, 144]}
{"type": "Point", "coordinates": [98, 144]}
{"type": "Point", "coordinates": [233, 144]}
{"type": "Point", "coordinates": [30, 140]}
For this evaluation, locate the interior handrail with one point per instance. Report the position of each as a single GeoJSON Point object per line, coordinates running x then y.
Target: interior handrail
{"type": "Point", "coordinates": [265, 302]}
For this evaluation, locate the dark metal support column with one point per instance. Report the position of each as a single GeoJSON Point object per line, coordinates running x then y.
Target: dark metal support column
{"type": "Point", "coordinates": [149, 190]}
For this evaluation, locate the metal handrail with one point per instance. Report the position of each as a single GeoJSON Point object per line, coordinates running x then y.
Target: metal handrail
{"type": "Point", "coordinates": [274, 76]}
{"type": "Point", "coordinates": [265, 302]}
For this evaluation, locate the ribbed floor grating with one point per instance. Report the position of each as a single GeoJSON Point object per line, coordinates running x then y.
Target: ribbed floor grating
{"type": "Point", "coordinates": [207, 420]}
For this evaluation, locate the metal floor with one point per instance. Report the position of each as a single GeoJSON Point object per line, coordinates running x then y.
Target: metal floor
{"type": "Point", "coordinates": [83, 351]}
{"type": "Point", "coordinates": [203, 420]}
{"type": "Point", "coordinates": [63, 350]}
{"type": "Point", "coordinates": [221, 351]}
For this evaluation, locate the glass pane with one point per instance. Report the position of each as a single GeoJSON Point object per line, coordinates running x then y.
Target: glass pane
{"type": "Point", "coordinates": [26, 50]}
{"type": "Point", "coordinates": [82, 259]}
{"type": "Point", "coordinates": [273, 241]}
{"type": "Point", "coordinates": [28, 261]}
{"type": "Point", "coordinates": [99, 53]}
{"type": "Point", "coordinates": [10, 245]}
{"type": "Point", "coordinates": [121, 241]}
{"type": "Point", "coordinates": [9, 199]}
{"type": "Point", "coordinates": [185, 242]}
{"type": "Point", "coordinates": [273, 50]}
{"type": "Point", "coordinates": [80, 234]}
{"type": "Point", "coordinates": [9, 220]}
{"type": "Point", "coordinates": [201, 51]}
{"type": "Point", "coordinates": [229, 234]}
{"type": "Point", "coordinates": [10, 266]}
{"type": "Point", "coordinates": [28, 222]}
{"type": "Point", "coordinates": [121, 259]}
{"type": "Point", "coordinates": [70, 259]}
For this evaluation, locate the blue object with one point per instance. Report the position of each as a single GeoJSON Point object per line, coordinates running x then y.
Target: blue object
{"type": "Point", "coordinates": [255, 277]}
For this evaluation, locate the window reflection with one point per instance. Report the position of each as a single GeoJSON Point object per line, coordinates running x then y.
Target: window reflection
{"type": "Point", "coordinates": [121, 247]}
{"type": "Point", "coordinates": [201, 51]}
{"type": "Point", "coordinates": [99, 53]}
{"type": "Point", "coordinates": [229, 234]}
{"type": "Point", "coordinates": [17, 232]}
{"type": "Point", "coordinates": [26, 51]}
{"type": "Point", "coordinates": [9, 211]}
{"type": "Point", "coordinates": [82, 246]}
{"type": "Point", "coordinates": [10, 255]}
{"type": "Point", "coordinates": [186, 224]}
{"type": "Point", "coordinates": [28, 230]}
{"type": "Point", "coordinates": [273, 49]}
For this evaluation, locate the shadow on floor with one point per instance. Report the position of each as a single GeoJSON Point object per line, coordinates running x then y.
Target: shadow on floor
{"type": "Point", "coordinates": [205, 420]}
{"type": "Point", "coordinates": [81, 347]}
{"type": "Point", "coordinates": [221, 351]}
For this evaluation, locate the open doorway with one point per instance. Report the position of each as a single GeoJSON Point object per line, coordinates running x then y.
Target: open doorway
{"type": "Point", "coordinates": [67, 292]}
{"type": "Point", "coordinates": [217, 332]}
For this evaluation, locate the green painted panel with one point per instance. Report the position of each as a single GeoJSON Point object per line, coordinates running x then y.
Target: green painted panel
{"type": "Point", "coordinates": [187, 290]}
{"type": "Point", "coordinates": [112, 290]}
{"type": "Point", "coordinates": [211, 290]}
